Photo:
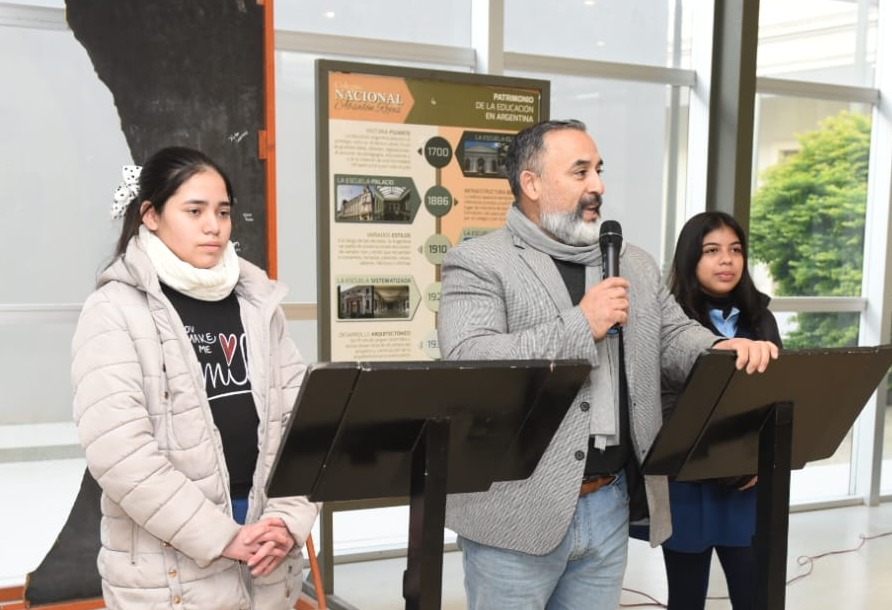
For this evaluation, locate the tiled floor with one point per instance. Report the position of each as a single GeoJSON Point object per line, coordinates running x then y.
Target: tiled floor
{"type": "Point", "coordinates": [857, 580]}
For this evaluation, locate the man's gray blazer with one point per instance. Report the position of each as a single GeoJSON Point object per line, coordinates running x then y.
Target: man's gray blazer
{"type": "Point", "coordinates": [504, 300]}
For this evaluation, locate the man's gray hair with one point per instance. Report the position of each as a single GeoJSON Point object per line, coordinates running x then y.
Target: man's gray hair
{"type": "Point", "coordinates": [525, 150]}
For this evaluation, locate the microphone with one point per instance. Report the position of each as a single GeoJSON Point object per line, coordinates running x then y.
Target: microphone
{"type": "Point", "coordinates": [611, 240]}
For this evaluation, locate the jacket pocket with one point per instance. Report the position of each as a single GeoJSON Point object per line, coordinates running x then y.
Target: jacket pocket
{"type": "Point", "coordinates": [166, 400]}
{"type": "Point", "coordinates": [283, 584]}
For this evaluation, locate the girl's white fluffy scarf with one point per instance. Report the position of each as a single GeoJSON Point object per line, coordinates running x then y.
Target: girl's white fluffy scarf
{"type": "Point", "coordinates": [212, 284]}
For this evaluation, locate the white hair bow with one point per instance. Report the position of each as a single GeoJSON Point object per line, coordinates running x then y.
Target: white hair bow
{"type": "Point", "coordinates": [126, 191]}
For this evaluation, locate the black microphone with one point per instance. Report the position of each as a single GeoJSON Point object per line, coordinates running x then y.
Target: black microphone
{"type": "Point", "coordinates": [611, 241]}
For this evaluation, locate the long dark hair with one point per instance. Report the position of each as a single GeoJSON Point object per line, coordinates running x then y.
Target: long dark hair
{"type": "Point", "coordinates": [683, 282]}
{"type": "Point", "coordinates": [162, 174]}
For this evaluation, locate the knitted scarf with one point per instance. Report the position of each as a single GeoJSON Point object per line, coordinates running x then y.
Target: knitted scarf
{"type": "Point", "coordinates": [212, 284]}
{"type": "Point", "coordinates": [603, 380]}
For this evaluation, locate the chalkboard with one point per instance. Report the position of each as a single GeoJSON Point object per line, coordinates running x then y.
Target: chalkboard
{"type": "Point", "coordinates": [69, 571]}
{"type": "Point", "coordinates": [188, 74]}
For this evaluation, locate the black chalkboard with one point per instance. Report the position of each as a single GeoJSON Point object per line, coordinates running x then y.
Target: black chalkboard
{"type": "Point", "coordinates": [69, 571]}
{"type": "Point", "coordinates": [188, 74]}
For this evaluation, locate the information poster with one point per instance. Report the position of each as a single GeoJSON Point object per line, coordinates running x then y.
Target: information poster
{"type": "Point", "coordinates": [411, 162]}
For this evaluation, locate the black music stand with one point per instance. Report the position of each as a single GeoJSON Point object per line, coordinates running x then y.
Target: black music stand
{"type": "Point", "coordinates": [728, 423]}
{"type": "Point", "coordinates": [423, 430]}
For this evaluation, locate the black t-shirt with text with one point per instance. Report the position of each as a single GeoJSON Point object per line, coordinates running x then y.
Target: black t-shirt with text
{"type": "Point", "coordinates": [218, 337]}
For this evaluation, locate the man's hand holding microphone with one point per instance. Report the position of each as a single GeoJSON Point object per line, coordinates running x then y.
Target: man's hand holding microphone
{"type": "Point", "coordinates": [606, 306]}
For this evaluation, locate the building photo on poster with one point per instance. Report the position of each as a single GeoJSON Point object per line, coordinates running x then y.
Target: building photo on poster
{"type": "Point", "coordinates": [411, 162]}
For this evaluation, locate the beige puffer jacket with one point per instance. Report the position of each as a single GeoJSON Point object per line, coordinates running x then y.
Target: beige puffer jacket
{"type": "Point", "coordinates": [145, 422]}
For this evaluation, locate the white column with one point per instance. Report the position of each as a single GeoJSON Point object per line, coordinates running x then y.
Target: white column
{"type": "Point", "coordinates": [876, 285]}
{"type": "Point", "coordinates": [488, 35]}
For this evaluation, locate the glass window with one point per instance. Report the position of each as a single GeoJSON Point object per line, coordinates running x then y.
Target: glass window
{"type": "Point", "coordinates": [442, 23]}
{"type": "Point", "coordinates": [43, 3]}
{"type": "Point", "coordinates": [886, 468]}
{"type": "Point", "coordinates": [36, 362]}
{"type": "Point", "coordinates": [809, 200]}
{"type": "Point", "coordinates": [807, 235]}
{"type": "Point", "coordinates": [653, 32]}
{"type": "Point", "coordinates": [296, 174]}
{"type": "Point", "coordinates": [60, 163]}
{"type": "Point", "coordinates": [827, 41]}
{"type": "Point", "coordinates": [824, 479]}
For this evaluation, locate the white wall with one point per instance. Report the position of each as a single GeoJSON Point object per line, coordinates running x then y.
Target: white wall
{"type": "Point", "coordinates": [60, 162]}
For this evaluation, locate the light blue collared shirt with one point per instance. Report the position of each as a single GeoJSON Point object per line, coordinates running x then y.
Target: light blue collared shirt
{"type": "Point", "coordinates": [726, 326]}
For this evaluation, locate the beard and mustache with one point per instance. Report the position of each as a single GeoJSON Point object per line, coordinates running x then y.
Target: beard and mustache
{"type": "Point", "coordinates": [570, 227]}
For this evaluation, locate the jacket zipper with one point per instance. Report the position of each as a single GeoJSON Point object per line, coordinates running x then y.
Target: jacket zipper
{"type": "Point", "coordinates": [134, 542]}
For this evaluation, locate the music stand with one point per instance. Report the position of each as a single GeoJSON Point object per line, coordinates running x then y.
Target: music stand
{"type": "Point", "coordinates": [729, 423]}
{"type": "Point", "coordinates": [422, 429]}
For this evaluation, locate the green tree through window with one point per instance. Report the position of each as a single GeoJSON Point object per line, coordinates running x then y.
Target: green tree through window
{"type": "Point", "coordinates": [807, 225]}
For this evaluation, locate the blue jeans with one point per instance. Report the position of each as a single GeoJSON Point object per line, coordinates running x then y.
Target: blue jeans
{"type": "Point", "coordinates": [240, 510]}
{"type": "Point", "coordinates": [585, 571]}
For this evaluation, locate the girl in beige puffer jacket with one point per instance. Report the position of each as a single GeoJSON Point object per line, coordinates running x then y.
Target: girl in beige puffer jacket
{"type": "Point", "coordinates": [184, 377]}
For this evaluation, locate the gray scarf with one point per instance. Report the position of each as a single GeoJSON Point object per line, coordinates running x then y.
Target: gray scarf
{"type": "Point", "coordinates": [603, 380]}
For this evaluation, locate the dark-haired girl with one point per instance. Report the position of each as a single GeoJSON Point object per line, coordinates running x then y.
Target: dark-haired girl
{"type": "Point", "coordinates": [184, 376]}
{"type": "Point", "coordinates": [710, 280]}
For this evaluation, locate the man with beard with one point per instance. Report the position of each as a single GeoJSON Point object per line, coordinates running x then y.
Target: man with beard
{"type": "Point", "coordinates": [534, 290]}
